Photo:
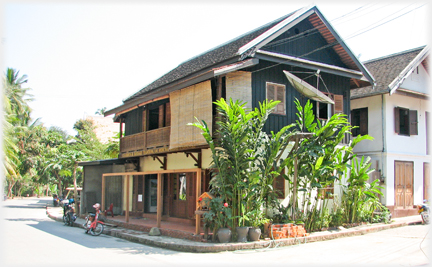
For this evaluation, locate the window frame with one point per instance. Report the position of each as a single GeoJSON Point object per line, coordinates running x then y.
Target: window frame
{"type": "Point", "coordinates": [277, 87]}
{"type": "Point", "coordinates": [363, 126]}
{"type": "Point", "coordinates": [410, 121]}
{"type": "Point", "coordinates": [332, 109]}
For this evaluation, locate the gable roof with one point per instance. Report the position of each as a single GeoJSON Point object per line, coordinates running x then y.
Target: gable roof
{"type": "Point", "coordinates": [390, 71]}
{"type": "Point", "coordinates": [205, 65]}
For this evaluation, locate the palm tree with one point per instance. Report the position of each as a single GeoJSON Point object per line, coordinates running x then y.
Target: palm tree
{"type": "Point", "coordinates": [16, 116]}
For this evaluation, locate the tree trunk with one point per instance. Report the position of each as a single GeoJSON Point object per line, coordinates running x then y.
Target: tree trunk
{"type": "Point", "coordinates": [77, 211]}
{"type": "Point", "coordinates": [11, 184]}
{"type": "Point", "coordinates": [59, 182]}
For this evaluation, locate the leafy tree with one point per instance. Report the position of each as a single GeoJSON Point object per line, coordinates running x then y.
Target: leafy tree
{"type": "Point", "coordinates": [246, 159]}
{"type": "Point", "coordinates": [16, 117]}
{"type": "Point", "coordinates": [101, 111]}
{"type": "Point", "coordinates": [322, 160]}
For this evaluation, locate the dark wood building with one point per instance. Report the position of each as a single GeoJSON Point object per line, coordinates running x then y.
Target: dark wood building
{"type": "Point", "coordinates": [171, 158]}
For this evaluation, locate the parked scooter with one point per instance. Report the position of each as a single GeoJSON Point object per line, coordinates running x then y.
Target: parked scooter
{"type": "Point", "coordinates": [423, 210]}
{"type": "Point", "coordinates": [69, 216]}
{"type": "Point", "coordinates": [56, 200]}
{"type": "Point", "coordinates": [92, 224]}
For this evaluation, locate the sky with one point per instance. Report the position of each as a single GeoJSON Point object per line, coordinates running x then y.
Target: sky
{"type": "Point", "coordinates": [81, 56]}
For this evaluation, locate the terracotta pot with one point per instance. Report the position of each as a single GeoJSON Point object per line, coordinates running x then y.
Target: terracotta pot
{"type": "Point", "coordinates": [242, 233]}
{"type": "Point", "coordinates": [224, 235]}
{"type": "Point", "coordinates": [254, 233]}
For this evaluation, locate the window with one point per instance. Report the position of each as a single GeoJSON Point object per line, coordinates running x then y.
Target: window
{"type": "Point", "coordinates": [359, 118]}
{"type": "Point", "coordinates": [324, 111]}
{"type": "Point", "coordinates": [405, 121]}
{"type": "Point", "coordinates": [157, 117]}
{"type": "Point", "coordinates": [182, 187]}
{"type": "Point", "coordinates": [277, 92]}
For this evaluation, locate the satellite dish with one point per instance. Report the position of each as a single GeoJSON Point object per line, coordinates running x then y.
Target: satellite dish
{"type": "Point", "coordinates": [306, 89]}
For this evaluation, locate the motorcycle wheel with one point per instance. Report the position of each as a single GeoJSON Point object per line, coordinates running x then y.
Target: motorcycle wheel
{"type": "Point", "coordinates": [425, 217]}
{"type": "Point", "coordinates": [66, 219]}
{"type": "Point", "coordinates": [98, 229]}
{"type": "Point", "coordinates": [71, 221]}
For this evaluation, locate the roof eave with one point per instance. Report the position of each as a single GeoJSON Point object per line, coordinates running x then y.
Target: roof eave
{"type": "Point", "coordinates": [396, 83]}
{"type": "Point", "coordinates": [182, 83]}
{"type": "Point", "coordinates": [268, 36]}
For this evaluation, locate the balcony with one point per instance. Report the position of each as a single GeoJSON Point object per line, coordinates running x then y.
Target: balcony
{"type": "Point", "coordinates": [154, 141]}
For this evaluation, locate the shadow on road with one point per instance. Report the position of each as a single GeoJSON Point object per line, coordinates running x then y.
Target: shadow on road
{"type": "Point", "coordinates": [78, 235]}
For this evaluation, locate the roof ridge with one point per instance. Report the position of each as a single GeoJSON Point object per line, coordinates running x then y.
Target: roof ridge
{"type": "Point", "coordinates": [209, 51]}
{"type": "Point", "coordinates": [395, 54]}
{"type": "Point", "coordinates": [239, 37]}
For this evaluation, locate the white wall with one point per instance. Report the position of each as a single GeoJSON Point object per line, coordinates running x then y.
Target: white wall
{"type": "Point", "coordinates": [373, 103]}
{"type": "Point", "coordinates": [418, 81]}
{"type": "Point", "coordinates": [414, 144]}
{"type": "Point", "coordinates": [397, 147]}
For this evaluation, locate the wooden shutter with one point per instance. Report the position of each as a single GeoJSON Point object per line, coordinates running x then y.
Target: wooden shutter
{"type": "Point", "coordinates": [167, 114]}
{"type": "Point", "coordinates": [409, 189]}
{"type": "Point", "coordinates": [144, 120]}
{"type": "Point", "coordinates": [271, 91]}
{"type": "Point", "coordinates": [397, 120]}
{"type": "Point", "coordinates": [363, 121]}
{"type": "Point", "coordinates": [426, 180]}
{"type": "Point", "coordinates": [413, 122]}
{"type": "Point", "coordinates": [276, 92]}
{"type": "Point", "coordinates": [186, 104]}
{"type": "Point", "coordinates": [161, 116]}
{"type": "Point", "coordinates": [280, 96]}
{"type": "Point", "coordinates": [279, 185]}
{"type": "Point", "coordinates": [338, 103]}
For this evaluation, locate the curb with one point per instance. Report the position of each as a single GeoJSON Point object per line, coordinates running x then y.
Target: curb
{"type": "Point", "coordinates": [185, 245]}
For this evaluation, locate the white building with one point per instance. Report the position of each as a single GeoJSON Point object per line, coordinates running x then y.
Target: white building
{"type": "Point", "coordinates": [396, 113]}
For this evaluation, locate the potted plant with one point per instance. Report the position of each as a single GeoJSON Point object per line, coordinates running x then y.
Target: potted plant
{"type": "Point", "coordinates": [256, 219]}
{"type": "Point", "coordinates": [218, 218]}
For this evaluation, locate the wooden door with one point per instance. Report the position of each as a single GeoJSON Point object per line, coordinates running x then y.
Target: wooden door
{"type": "Point", "coordinates": [138, 193]}
{"type": "Point", "coordinates": [404, 184]}
{"type": "Point", "coordinates": [182, 189]}
{"type": "Point", "coordinates": [179, 186]}
{"type": "Point", "coordinates": [426, 180]}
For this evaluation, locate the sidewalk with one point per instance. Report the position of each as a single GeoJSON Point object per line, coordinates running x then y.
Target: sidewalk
{"type": "Point", "coordinates": [187, 245]}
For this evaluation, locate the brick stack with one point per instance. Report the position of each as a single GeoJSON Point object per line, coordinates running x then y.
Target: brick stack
{"type": "Point", "coordinates": [287, 230]}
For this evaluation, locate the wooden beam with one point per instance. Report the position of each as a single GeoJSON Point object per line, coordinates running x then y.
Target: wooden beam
{"type": "Point", "coordinates": [150, 172]}
{"type": "Point", "coordinates": [103, 194]}
{"type": "Point", "coordinates": [295, 182]}
{"type": "Point", "coordinates": [127, 198]}
{"type": "Point", "coordinates": [163, 163]}
{"type": "Point", "coordinates": [197, 160]}
{"type": "Point", "coordinates": [159, 200]}
{"type": "Point", "coordinates": [198, 194]}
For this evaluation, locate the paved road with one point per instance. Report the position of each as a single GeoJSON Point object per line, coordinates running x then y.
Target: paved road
{"type": "Point", "coordinates": [30, 238]}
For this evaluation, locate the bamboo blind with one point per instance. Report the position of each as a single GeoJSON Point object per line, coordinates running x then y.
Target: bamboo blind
{"type": "Point", "coordinates": [186, 104]}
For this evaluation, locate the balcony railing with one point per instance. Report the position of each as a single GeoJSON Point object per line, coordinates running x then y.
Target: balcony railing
{"type": "Point", "coordinates": [146, 140]}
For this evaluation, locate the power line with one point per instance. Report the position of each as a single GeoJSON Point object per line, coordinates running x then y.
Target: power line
{"type": "Point", "coordinates": [290, 39]}
{"type": "Point", "coordinates": [368, 29]}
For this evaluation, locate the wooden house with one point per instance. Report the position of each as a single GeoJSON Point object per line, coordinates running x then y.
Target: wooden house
{"type": "Point", "coordinates": [396, 113]}
{"type": "Point", "coordinates": [168, 160]}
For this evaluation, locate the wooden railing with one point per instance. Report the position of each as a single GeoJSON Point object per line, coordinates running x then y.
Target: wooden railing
{"type": "Point", "coordinates": [145, 140]}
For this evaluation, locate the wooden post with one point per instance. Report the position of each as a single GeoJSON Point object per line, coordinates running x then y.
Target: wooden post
{"type": "Point", "coordinates": [127, 198]}
{"type": "Point", "coordinates": [159, 199]}
{"type": "Point", "coordinates": [198, 194]}
{"type": "Point", "coordinates": [103, 193]}
{"type": "Point", "coordinates": [295, 182]}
